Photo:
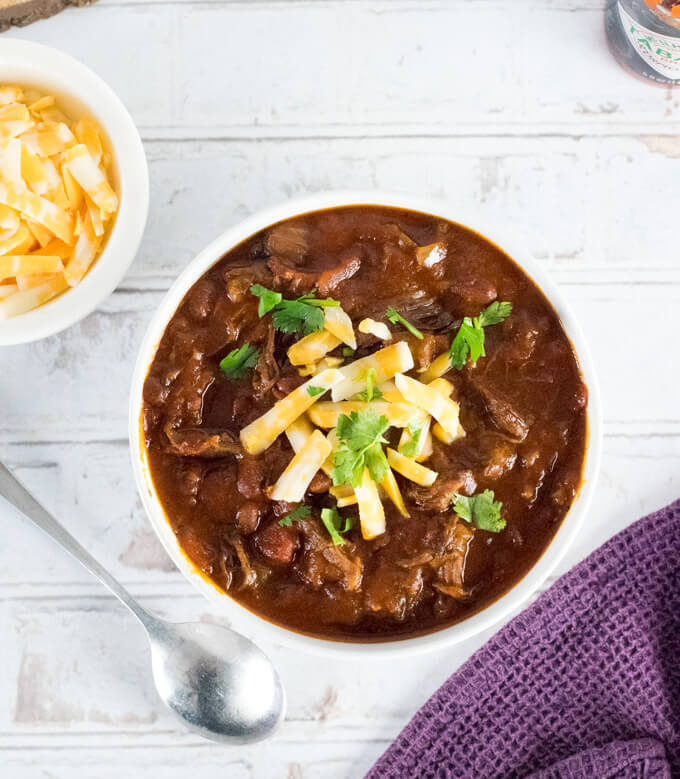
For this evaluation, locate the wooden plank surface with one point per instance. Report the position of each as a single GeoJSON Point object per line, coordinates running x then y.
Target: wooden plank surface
{"type": "Point", "coordinates": [510, 108]}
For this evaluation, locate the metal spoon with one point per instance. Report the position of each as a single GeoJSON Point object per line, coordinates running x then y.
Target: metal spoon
{"type": "Point", "coordinates": [218, 682]}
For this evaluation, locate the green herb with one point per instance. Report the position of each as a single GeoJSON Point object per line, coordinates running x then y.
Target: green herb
{"type": "Point", "coordinates": [495, 313]}
{"type": "Point", "coordinates": [336, 525]}
{"type": "Point", "coordinates": [268, 299]}
{"type": "Point", "coordinates": [314, 391]}
{"type": "Point", "coordinates": [410, 448]}
{"type": "Point", "coordinates": [482, 510]}
{"type": "Point", "coordinates": [372, 392]}
{"type": "Point", "coordinates": [469, 340]}
{"type": "Point", "coordinates": [361, 438]}
{"type": "Point", "coordinates": [320, 302]}
{"type": "Point", "coordinates": [238, 361]}
{"type": "Point", "coordinates": [347, 351]}
{"type": "Point", "coordinates": [292, 316]}
{"type": "Point", "coordinates": [395, 317]}
{"type": "Point", "coordinates": [296, 515]}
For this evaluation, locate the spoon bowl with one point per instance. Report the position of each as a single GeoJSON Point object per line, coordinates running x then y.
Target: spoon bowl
{"type": "Point", "coordinates": [217, 681]}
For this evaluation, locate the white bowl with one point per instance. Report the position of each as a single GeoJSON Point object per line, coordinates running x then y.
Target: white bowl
{"type": "Point", "coordinates": [257, 627]}
{"type": "Point", "coordinates": [82, 92]}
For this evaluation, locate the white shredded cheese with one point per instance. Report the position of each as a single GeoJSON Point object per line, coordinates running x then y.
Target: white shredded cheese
{"type": "Point", "coordinates": [371, 511]}
{"type": "Point", "coordinates": [378, 329]}
{"type": "Point", "coordinates": [293, 482]}
{"type": "Point", "coordinates": [410, 469]}
{"type": "Point", "coordinates": [386, 363]}
{"type": "Point", "coordinates": [261, 434]}
{"type": "Point", "coordinates": [443, 409]}
{"type": "Point", "coordinates": [336, 321]}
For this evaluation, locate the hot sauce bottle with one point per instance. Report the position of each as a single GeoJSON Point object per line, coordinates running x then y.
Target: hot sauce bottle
{"type": "Point", "coordinates": [644, 36]}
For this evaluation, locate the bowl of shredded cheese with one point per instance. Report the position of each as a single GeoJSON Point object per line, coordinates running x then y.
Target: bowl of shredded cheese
{"type": "Point", "coordinates": [74, 191]}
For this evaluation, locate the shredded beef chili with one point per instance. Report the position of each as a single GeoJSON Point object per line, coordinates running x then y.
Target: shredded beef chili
{"type": "Point", "coordinates": [522, 407]}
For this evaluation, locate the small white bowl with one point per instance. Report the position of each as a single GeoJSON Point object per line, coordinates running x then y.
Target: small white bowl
{"type": "Point", "coordinates": [260, 628]}
{"type": "Point", "coordinates": [82, 92]}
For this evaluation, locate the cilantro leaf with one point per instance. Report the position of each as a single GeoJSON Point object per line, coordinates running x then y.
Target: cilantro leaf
{"type": "Point", "coordinates": [469, 340]}
{"type": "Point", "coordinates": [314, 391]}
{"type": "Point", "coordinates": [296, 515]}
{"type": "Point", "coordinates": [268, 299]}
{"type": "Point", "coordinates": [495, 313]}
{"type": "Point", "coordinates": [395, 317]}
{"type": "Point", "coordinates": [361, 437]}
{"type": "Point", "coordinates": [410, 448]}
{"type": "Point", "coordinates": [347, 351]}
{"type": "Point", "coordinates": [336, 524]}
{"type": "Point", "coordinates": [292, 316]}
{"type": "Point", "coordinates": [371, 392]}
{"type": "Point", "coordinates": [376, 462]}
{"type": "Point", "coordinates": [482, 510]}
{"type": "Point", "coordinates": [238, 361]}
{"type": "Point", "coordinates": [310, 300]}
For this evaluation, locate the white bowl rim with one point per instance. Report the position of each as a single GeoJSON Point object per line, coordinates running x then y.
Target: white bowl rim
{"type": "Point", "coordinates": [258, 627]}
{"type": "Point", "coordinates": [25, 62]}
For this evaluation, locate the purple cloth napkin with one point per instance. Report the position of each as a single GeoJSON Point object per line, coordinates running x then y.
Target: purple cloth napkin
{"type": "Point", "coordinates": [584, 683]}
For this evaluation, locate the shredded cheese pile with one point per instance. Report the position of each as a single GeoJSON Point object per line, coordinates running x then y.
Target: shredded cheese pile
{"type": "Point", "coordinates": [56, 199]}
{"type": "Point", "coordinates": [309, 422]}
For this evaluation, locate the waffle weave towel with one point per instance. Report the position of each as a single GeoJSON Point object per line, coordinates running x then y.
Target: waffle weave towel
{"type": "Point", "coordinates": [584, 684]}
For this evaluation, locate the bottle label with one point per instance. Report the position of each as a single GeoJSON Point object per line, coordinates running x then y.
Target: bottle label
{"type": "Point", "coordinates": [660, 52]}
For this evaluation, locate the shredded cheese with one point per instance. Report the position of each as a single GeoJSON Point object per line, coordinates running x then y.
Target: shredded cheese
{"type": "Point", "coordinates": [389, 484]}
{"type": "Point", "coordinates": [371, 511]}
{"type": "Point", "coordinates": [439, 366]}
{"type": "Point", "coordinates": [440, 407]}
{"type": "Point", "coordinates": [298, 431]}
{"type": "Point", "coordinates": [390, 393]}
{"type": "Point", "coordinates": [293, 482]}
{"type": "Point", "coordinates": [427, 449]}
{"type": "Point", "coordinates": [326, 413]}
{"type": "Point", "coordinates": [378, 329]}
{"type": "Point", "coordinates": [21, 302]}
{"type": "Point", "coordinates": [336, 321]}
{"type": "Point", "coordinates": [422, 440]}
{"type": "Point", "coordinates": [386, 363]}
{"type": "Point", "coordinates": [261, 434]}
{"type": "Point", "coordinates": [445, 388]}
{"type": "Point", "coordinates": [410, 469]}
{"type": "Point", "coordinates": [312, 347]}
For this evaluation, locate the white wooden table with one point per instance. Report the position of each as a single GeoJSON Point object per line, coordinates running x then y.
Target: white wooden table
{"type": "Point", "coordinates": [512, 107]}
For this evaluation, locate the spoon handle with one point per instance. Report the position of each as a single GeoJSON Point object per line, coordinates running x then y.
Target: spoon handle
{"type": "Point", "coordinates": [18, 496]}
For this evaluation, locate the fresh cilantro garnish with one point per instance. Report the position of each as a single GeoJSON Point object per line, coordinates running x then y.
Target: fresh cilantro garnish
{"type": "Point", "coordinates": [309, 298]}
{"type": "Point", "coordinates": [292, 316]}
{"type": "Point", "coordinates": [361, 438]}
{"type": "Point", "coordinates": [469, 339]}
{"type": "Point", "coordinates": [314, 391]}
{"type": "Point", "coordinates": [371, 392]}
{"type": "Point", "coordinates": [268, 299]}
{"type": "Point", "coordinates": [336, 525]}
{"type": "Point", "coordinates": [482, 510]}
{"type": "Point", "coordinates": [238, 361]}
{"type": "Point", "coordinates": [347, 351]}
{"type": "Point", "coordinates": [296, 515]}
{"type": "Point", "coordinates": [395, 317]}
{"type": "Point", "coordinates": [410, 448]}
{"type": "Point", "coordinates": [495, 313]}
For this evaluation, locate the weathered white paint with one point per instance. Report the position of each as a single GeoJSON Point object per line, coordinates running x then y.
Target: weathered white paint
{"type": "Point", "coordinates": [510, 107]}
